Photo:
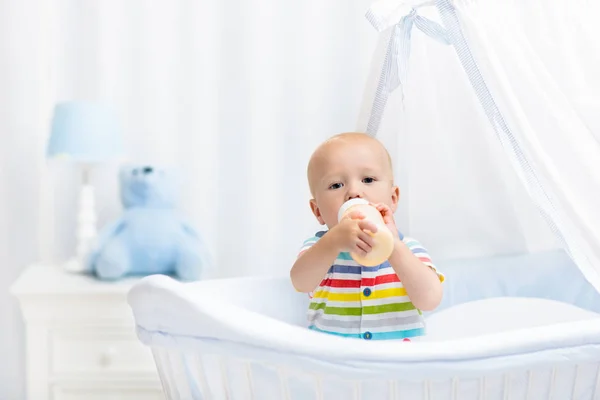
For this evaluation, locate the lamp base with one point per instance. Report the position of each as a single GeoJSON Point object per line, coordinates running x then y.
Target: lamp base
{"type": "Point", "coordinates": [74, 266]}
{"type": "Point", "coordinates": [86, 230]}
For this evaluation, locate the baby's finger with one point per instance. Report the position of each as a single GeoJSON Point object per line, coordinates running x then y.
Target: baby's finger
{"type": "Point", "coordinates": [367, 239]}
{"type": "Point", "coordinates": [367, 225]}
{"type": "Point", "coordinates": [382, 208]}
{"type": "Point", "coordinates": [362, 247]}
{"type": "Point", "coordinates": [356, 215]}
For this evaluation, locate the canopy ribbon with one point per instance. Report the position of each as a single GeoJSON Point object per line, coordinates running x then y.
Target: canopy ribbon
{"type": "Point", "coordinates": [401, 16]}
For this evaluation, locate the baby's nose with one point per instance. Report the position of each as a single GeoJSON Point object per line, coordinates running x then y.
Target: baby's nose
{"type": "Point", "coordinates": [351, 196]}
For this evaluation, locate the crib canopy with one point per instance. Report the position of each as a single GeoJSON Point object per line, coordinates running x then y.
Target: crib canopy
{"type": "Point", "coordinates": [491, 112]}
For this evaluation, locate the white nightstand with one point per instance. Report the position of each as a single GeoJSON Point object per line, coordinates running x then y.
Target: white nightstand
{"type": "Point", "coordinates": [80, 339]}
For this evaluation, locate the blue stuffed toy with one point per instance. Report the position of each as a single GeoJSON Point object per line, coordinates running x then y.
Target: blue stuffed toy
{"type": "Point", "coordinates": [151, 237]}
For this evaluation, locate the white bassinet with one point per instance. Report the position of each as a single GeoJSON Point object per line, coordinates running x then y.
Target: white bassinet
{"type": "Point", "coordinates": [244, 338]}
{"type": "Point", "coordinates": [502, 115]}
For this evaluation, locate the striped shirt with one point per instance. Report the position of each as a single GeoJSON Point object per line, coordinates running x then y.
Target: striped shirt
{"type": "Point", "coordinates": [365, 302]}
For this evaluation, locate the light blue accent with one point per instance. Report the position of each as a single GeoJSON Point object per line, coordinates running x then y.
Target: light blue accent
{"type": "Point", "coordinates": [310, 241]}
{"type": "Point", "coordinates": [344, 256]}
{"type": "Point", "coordinates": [151, 236]}
{"type": "Point", "coordinates": [85, 132]}
{"type": "Point", "coordinates": [396, 335]}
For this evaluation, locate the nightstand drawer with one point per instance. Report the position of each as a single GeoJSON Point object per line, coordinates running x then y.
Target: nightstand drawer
{"type": "Point", "coordinates": [98, 350]}
{"type": "Point", "coordinates": [105, 392]}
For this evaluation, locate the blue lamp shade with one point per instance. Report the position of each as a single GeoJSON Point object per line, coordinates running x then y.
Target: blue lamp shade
{"type": "Point", "coordinates": [85, 132]}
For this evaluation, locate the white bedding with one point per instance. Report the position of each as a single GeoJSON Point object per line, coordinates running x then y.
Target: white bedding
{"type": "Point", "coordinates": [494, 337]}
{"type": "Point", "coordinates": [501, 315]}
{"type": "Point", "coordinates": [263, 318]}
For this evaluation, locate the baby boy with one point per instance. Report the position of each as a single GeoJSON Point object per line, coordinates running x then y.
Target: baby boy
{"type": "Point", "coordinates": [374, 303]}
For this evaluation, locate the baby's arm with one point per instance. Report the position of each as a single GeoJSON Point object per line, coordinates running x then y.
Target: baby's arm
{"type": "Point", "coordinates": [422, 283]}
{"type": "Point", "coordinates": [312, 265]}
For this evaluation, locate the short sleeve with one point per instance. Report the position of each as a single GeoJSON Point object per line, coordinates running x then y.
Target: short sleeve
{"type": "Point", "coordinates": [308, 243]}
{"type": "Point", "coordinates": [421, 253]}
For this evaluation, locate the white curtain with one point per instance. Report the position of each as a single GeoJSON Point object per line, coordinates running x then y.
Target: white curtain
{"type": "Point", "coordinates": [234, 93]}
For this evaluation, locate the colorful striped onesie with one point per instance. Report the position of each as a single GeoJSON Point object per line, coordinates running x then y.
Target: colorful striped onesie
{"type": "Point", "coordinates": [365, 302]}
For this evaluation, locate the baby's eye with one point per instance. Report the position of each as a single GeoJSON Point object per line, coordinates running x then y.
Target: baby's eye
{"type": "Point", "coordinates": [335, 186]}
{"type": "Point", "coordinates": [368, 180]}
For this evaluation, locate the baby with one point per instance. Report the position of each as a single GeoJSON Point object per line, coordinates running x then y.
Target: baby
{"type": "Point", "coordinates": [347, 299]}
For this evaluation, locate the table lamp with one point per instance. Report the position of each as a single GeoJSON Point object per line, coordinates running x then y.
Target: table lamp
{"type": "Point", "coordinates": [86, 134]}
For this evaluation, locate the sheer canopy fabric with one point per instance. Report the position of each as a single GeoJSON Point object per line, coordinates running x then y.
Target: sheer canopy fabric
{"type": "Point", "coordinates": [496, 134]}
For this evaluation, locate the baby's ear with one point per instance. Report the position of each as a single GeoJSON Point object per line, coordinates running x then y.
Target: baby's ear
{"type": "Point", "coordinates": [315, 209]}
{"type": "Point", "coordinates": [395, 197]}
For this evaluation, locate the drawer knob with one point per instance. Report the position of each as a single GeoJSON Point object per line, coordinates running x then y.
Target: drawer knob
{"type": "Point", "coordinates": [106, 358]}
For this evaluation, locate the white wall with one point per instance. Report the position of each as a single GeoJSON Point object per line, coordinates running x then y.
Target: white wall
{"type": "Point", "coordinates": [20, 133]}
{"type": "Point", "coordinates": [236, 92]}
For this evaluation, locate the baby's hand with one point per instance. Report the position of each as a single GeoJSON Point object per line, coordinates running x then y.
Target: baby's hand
{"type": "Point", "coordinates": [388, 218]}
{"type": "Point", "coordinates": [351, 236]}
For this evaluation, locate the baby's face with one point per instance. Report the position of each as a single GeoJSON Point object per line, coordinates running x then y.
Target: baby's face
{"type": "Point", "coordinates": [346, 169]}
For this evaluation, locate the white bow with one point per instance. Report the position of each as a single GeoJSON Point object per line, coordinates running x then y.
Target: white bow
{"type": "Point", "coordinates": [400, 15]}
{"type": "Point", "coordinates": [386, 13]}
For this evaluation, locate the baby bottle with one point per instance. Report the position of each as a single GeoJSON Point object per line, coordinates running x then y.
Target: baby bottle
{"type": "Point", "coordinates": [383, 240]}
